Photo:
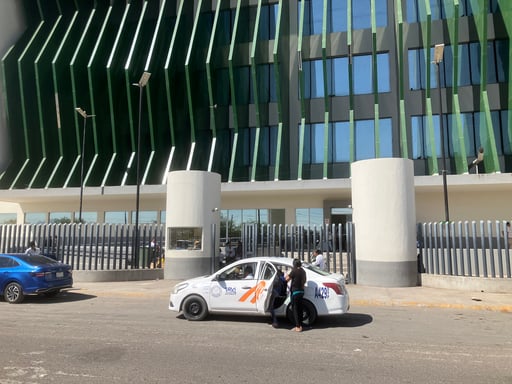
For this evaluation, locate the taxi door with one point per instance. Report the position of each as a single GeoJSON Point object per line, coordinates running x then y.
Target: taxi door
{"type": "Point", "coordinates": [234, 293]}
{"type": "Point", "coordinates": [267, 275]}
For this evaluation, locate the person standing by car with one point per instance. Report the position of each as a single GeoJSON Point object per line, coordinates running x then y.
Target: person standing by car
{"type": "Point", "coordinates": [297, 276]}
{"type": "Point", "coordinates": [319, 259]}
{"type": "Point", "coordinates": [33, 249]}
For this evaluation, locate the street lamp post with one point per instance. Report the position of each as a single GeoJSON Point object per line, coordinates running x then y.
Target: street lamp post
{"type": "Point", "coordinates": [438, 58]}
{"type": "Point", "coordinates": [143, 81]}
{"type": "Point", "coordinates": [84, 114]}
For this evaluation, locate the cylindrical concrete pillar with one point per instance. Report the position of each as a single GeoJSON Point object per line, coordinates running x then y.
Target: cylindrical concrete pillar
{"type": "Point", "coordinates": [384, 217]}
{"type": "Point", "coordinates": [193, 207]}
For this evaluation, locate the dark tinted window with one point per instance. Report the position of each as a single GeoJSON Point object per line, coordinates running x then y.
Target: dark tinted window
{"type": "Point", "coordinates": [7, 262]}
{"type": "Point", "coordinates": [36, 260]}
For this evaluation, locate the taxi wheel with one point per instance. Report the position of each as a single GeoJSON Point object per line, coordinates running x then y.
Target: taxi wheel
{"type": "Point", "coordinates": [194, 308]}
{"type": "Point", "coordinates": [309, 313]}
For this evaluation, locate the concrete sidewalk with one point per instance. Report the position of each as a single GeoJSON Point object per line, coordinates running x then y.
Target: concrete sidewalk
{"type": "Point", "coordinates": [359, 295]}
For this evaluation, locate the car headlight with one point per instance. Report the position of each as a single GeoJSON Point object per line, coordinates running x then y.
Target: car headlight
{"type": "Point", "coordinates": [180, 287]}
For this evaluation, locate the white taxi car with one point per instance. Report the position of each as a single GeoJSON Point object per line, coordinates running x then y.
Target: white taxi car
{"type": "Point", "coordinates": [245, 286]}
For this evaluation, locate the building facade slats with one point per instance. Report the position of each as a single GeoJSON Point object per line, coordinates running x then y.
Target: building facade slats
{"type": "Point", "coordinates": [255, 90]}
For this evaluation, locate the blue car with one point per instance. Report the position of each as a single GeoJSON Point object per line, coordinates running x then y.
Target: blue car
{"type": "Point", "coordinates": [22, 274]}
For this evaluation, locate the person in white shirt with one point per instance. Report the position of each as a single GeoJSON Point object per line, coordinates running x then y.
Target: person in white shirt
{"type": "Point", "coordinates": [319, 259]}
{"type": "Point", "coordinates": [33, 249]}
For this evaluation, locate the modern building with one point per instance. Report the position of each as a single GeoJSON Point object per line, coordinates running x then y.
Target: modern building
{"type": "Point", "coordinates": [279, 97]}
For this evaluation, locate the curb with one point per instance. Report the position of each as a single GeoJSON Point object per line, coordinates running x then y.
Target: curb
{"type": "Point", "coordinates": [391, 303]}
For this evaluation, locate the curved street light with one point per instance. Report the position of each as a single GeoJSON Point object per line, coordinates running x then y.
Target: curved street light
{"type": "Point", "coordinates": [143, 81]}
{"type": "Point", "coordinates": [84, 114]}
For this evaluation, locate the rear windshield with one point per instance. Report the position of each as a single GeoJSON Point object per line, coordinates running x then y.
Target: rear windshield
{"type": "Point", "coordinates": [36, 259]}
{"type": "Point", "coordinates": [315, 269]}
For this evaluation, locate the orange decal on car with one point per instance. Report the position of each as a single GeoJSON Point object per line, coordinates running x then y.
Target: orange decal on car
{"type": "Point", "coordinates": [256, 290]}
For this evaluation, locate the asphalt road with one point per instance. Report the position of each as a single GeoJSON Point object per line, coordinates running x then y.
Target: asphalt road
{"type": "Point", "coordinates": [87, 336]}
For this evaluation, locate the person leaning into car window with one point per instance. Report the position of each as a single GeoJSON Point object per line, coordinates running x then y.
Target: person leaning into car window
{"type": "Point", "coordinates": [33, 249]}
{"type": "Point", "coordinates": [298, 279]}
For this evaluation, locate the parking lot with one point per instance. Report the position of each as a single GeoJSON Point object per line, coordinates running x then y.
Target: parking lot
{"type": "Point", "coordinates": [124, 333]}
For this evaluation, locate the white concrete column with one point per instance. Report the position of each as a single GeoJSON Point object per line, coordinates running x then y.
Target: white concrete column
{"type": "Point", "coordinates": [193, 204]}
{"type": "Point", "coordinates": [384, 217]}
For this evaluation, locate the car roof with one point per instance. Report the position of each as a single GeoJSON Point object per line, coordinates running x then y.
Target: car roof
{"type": "Point", "coordinates": [271, 259]}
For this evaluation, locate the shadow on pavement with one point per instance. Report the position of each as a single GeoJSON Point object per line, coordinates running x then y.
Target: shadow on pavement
{"type": "Point", "coordinates": [62, 297]}
{"type": "Point", "coordinates": [348, 320]}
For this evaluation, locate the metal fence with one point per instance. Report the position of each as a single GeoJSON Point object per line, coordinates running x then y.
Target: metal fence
{"type": "Point", "coordinates": [476, 248]}
{"type": "Point", "coordinates": [465, 248]}
{"type": "Point", "coordinates": [89, 246]}
{"type": "Point", "coordinates": [336, 242]}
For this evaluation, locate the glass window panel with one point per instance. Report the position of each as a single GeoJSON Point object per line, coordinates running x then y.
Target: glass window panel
{"type": "Point", "coordinates": [383, 69]}
{"type": "Point", "coordinates": [235, 223]}
{"type": "Point", "coordinates": [464, 68]}
{"type": "Point", "coordinates": [249, 216]}
{"type": "Point", "coordinates": [338, 15]}
{"type": "Point", "coordinates": [495, 118]}
{"type": "Point", "coordinates": [417, 137]}
{"type": "Point", "coordinates": [437, 134]}
{"type": "Point", "coordinates": [317, 143]}
{"type": "Point", "coordinates": [273, 144]}
{"type": "Point", "coordinates": [449, 124]}
{"type": "Point", "coordinates": [435, 9]}
{"type": "Point", "coordinates": [307, 16]}
{"type": "Point", "coordinates": [146, 217]}
{"type": "Point", "coordinates": [317, 79]}
{"type": "Point", "coordinates": [263, 76]}
{"type": "Point", "coordinates": [60, 217]}
{"type": "Point", "coordinates": [243, 83]}
{"type": "Point", "coordinates": [361, 14]}
{"type": "Point", "coordinates": [87, 217]}
{"type": "Point", "coordinates": [185, 238]}
{"type": "Point", "coordinates": [263, 216]}
{"type": "Point", "coordinates": [302, 216]}
{"type": "Point", "coordinates": [381, 13]}
{"type": "Point", "coordinates": [502, 60]}
{"type": "Point", "coordinates": [306, 70]}
{"type": "Point", "coordinates": [447, 65]}
{"type": "Point", "coordinates": [317, 10]}
{"type": "Point", "coordinates": [365, 139]}
{"type": "Point", "coordinates": [474, 60]}
{"type": "Point", "coordinates": [316, 216]}
{"type": "Point", "coordinates": [386, 138]}
{"type": "Point", "coordinates": [412, 11]}
{"type": "Point", "coordinates": [414, 68]}
{"type": "Point", "coordinates": [468, 130]}
{"type": "Point", "coordinates": [492, 76]}
{"type": "Point", "coordinates": [116, 217]}
{"type": "Point", "coordinates": [8, 218]}
{"type": "Point", "coordinates": [362, 74]}
{"type": "Point", "coordinates": [224, 27]}
{"type": "Point", "coordinates": [272, 84]}
{"type": "Point", "coordinates": [163, 217]}
{"type": "Point", "coordinates": [306, 155]}
{"type": "Point", "coordinates": [35, 218]}
{"type": "Point", "coordinates": [507, 150]}
{"type": "Point", "coordinates": [340, 76]}
{"type": "Point", "coordinates": [341, 141]}
{"type": "Point", "coordinates": [264, 147]}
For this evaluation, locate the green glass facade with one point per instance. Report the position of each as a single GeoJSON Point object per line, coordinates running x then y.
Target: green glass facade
{"type": "Point", "coordinates": [255, 90]}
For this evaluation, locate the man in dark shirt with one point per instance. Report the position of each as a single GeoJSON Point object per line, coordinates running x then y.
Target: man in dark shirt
{"type": "Point", "coordinates": [298, 279]}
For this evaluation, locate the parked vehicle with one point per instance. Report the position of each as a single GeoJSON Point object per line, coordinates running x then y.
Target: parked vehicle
{"type": "Point", "coordinates": [22, 274]}
{"type": "Point", "coordinates": [229, 291]}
